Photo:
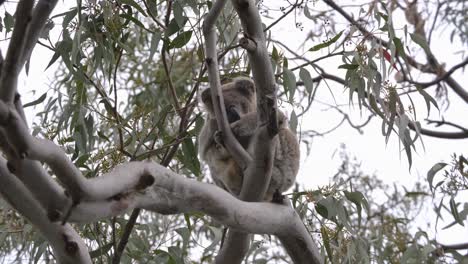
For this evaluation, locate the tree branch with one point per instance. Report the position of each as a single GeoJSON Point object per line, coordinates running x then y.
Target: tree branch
{"type": "Point", "coordinates": [433, 67]}
{"type": "Point", "coordinates": [234, 147]}
{"type": "Point", "coordinates": [437, 134]}
{"type": "Point", "coordinates": [66, 243]}
{"type": "Point", "coordinates": [40, 15]}
{"type": "Point", "coordinates": [46, 151]}
{"type": "Point", "coordinates": [12, 64]}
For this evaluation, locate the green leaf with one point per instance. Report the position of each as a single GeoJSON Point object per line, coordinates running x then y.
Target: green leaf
{"type": "Point", "coordinates": [100, 251]}
{"type": "Point", "coordinates": [135, 5]}
{"type": "Point", "coordinates": [429, 99]}
{"type": "Point", "coordinates": [454, 211]}
{"type": "Point", "coordinates": [326, 243]}
{"type": "Point", "coordinates": [349, 66]}
{"type": "Point", "coordinates": [432, 172]}
{"type": "Point", "coordinates": [421, 42]}
{"type": "Point", "coordinates": [134, 20]}
{"type": "Point", "coordinates": [9, 21]}
{"type": "Point", "coordinates": [190, 158]}
{"type": "Point", "coordinates": [399, 47]}
{"type": "Point", "coordinates": [155, 39]}
{"type": "Point", "coordinates": [69, 15]}
{"type": "Point", "coordinates": [331, 207]}
{"type": "Point", "coordinates": [326, 43]}
{"type": "Point", "coordinates": [307, 79]}
{"type": "Point", "coordinates": [415, 194]}
{"type": "Point", "coordinates": [289, 83]}
{"type": "Point", "coordinates": [174, 27]}
{"type": "Point", "coordinates": [37, 101]}
{"type": "Point", "coordinates": [179, 14]}
{"type": "Point", "coordinates": [358, 199]}
{"type": "Point", "coordinates": [218, 234]}
{"type": "Point", "coordinates": [293, 121]}
{"type": "Point", "coordinates": [375, 107]}
{"type": "Point", "coordinates": [181, 40]}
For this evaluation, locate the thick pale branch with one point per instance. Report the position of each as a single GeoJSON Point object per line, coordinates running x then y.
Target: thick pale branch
{"type": "Point", "coordinates": [234, 147]}
{"type": "Point", "coordinates": [12, 66]}
{"type": "Point", "coordinates": [40, 15]}
{"type": "Point", "coordinates": [26, 146]}
{"type": "Point", "coordinates": [66, 243]}
{"type": "Point", "coordinates": [258, 173]}
{"type": "Point", "coordinates": [167, 192]}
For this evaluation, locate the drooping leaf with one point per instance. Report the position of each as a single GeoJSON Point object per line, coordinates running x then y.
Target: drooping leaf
{"type": "Point", "coordinates": [181, 40]}
{"type": "Point", "coordinates": [326, 243]}
{"type": "Point", "coordinates": [37, 101]}
{"type": "Point", "coordinates": [101, 250]}
{"type": "Point", "coordinates": [307, 79]}
{"type": "Point", "coordinates": [134, 5]}
{"type": "Point", "coordinates": [293, 121]}
{"type": "Point", "coordinates": [432, 172]}
{"type": "Point", "coordinates": [420, 41]}
{"type": "Point", "coordinates": [289, 83]}
{"type": "Point", "coordinates": [429, 99]}
{"type": "Point", "coordinates": [399, 47]}
{"type": "Point", "coordinates": [454, 211]}
{"type": "Point", "coordinates": [326, 43]}
{"type": "Point", "coordinates": [9, 21]}
{"type": "Point", "coordinates": [348, 66]}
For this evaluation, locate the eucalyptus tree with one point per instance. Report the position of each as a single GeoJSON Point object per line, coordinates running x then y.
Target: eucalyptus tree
{"type": "Point", "coordinates": [117, 130]}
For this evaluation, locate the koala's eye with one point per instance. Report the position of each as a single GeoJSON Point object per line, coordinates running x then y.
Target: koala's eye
{"type": "Point", "coordinates": [232, 114]}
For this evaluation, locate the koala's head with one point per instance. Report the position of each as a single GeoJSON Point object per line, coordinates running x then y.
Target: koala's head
{"type": "Point", "coordinates": [239, 98]}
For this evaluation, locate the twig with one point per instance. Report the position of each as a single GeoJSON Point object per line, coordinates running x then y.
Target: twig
{"type": "Point", "coordinates": [153, 17]}
{"type": "Point", "coordinates": [437, 134]}
{"type": "Point", "coordinates": [294, 6]}
{"type": "Point", "coordinates": [443, 122]}
{"type": "Point", "coordinates": [441, 78]}
{"type": "Point", "coordinates": [125, 236]}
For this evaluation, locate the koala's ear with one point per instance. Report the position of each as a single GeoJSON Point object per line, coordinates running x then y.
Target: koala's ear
{"type": "Point", "coordinates": [245, 85]}
{"type": "Point", "coordinates": [206, 97]}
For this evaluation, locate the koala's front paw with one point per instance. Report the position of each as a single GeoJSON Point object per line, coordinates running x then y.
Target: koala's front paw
{"type": "Point", "coordinates": [278, 198]}
{"type": "Point", "coordinates": [218, 138]}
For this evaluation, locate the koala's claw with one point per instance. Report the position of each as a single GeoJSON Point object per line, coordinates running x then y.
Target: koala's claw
{"type": "Point", "coordinates": [218, 137]}
{"type": "Point", "coordinates": [278, 198]}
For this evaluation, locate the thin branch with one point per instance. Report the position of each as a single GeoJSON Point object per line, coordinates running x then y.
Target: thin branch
{"type": "Point", "coordinates": [159, 23]}
{"type": "Point", "coordinates": [125, 236]}
{"type": "Point", "coordinates": [313, 61]}
{"type": "Point", "coordinates": [443, 122]}
{"type": "Point", "coordinates": [441, 78]}
{"type": "Point", "coordinates": [437, 134]}
{"type": "Point", "coordinates": [164, 60]}
{"type": "Point", "coordinates": [434, 65]}
{"type": "Point", "coordinates": [460, 246]}
{"type": "Point", "coordinates": [439, 5]}
{"type": "Point", "coordinates": [294, 6]}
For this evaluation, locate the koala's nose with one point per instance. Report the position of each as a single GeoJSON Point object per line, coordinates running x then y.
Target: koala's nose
{"type": "Point", "coordinates": [232, 114]}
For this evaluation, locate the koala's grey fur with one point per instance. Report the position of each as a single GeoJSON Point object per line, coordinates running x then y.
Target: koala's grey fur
{"type": "Point", "coordinates": [240, 102]}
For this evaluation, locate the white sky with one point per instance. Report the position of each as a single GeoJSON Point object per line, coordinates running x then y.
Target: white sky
{"type": "Point", "coordinates": [369, 148]}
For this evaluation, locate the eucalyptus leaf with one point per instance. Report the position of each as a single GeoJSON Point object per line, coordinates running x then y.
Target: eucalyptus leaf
{"type": "Point", "coordinates": [432, 172]}
{"type": "Point", "coordinates": [326, 43]}
{"type": "Point", "coordinates": [37, 101]}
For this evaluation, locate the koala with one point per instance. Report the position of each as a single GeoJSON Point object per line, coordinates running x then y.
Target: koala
{"type": "Point", "coordinates": [240, 104]}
